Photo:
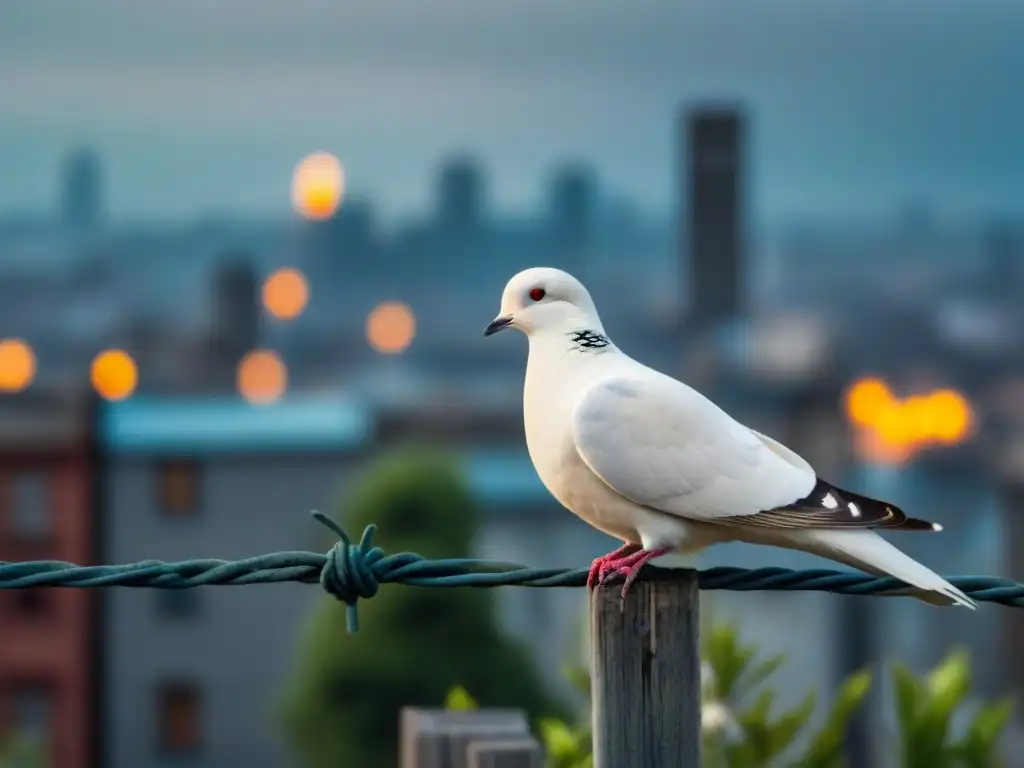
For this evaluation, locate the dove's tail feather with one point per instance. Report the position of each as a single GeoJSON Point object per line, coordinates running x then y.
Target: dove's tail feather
{"type": "Point", "coordinates": [869, 552]}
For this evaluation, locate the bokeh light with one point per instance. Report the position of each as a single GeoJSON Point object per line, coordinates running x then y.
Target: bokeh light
{"type": "Point", "coordinates": [390, 328]}
{"type": "Point", "coordinates": [866, 400]}
{"type": "Point", "coordinates": [114, 374]}
{"type": "Point", "coordinates": [262, 377]}
{"type": "Point", "coordinates": [286, 293]}
{"type": "Point", "coordinates": [17, 365]}
{"type": "Point", "coordinates": [318, 184]}
{"type": "Point", "coordinates": [953, 419]}
{"type": "Point", "coordinates": [891, 429]}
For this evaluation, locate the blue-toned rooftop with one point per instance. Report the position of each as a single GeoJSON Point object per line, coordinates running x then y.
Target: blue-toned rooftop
{"type": "Point", "coordinates": [504, 477]}
{"type": "Point", "coordinates": [227, 425]}
{"type": "Point", "coordinates": [211, 426]}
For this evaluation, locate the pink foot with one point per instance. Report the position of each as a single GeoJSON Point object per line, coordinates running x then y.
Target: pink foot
{"type": "Point", "coordinates": [630, 567]}
{"type": "Point", "coordinates": [602, 566]}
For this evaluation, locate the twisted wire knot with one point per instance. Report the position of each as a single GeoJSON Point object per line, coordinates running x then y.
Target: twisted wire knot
{"type": "Point", "coordinates": [349, 571]}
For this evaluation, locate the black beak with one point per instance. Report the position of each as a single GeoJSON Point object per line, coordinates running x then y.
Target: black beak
{"type": "Point", "coordinates": [501, 321]}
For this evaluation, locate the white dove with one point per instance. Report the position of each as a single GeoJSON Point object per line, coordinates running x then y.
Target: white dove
{"type": "Point", "coordinates": [650, 461]}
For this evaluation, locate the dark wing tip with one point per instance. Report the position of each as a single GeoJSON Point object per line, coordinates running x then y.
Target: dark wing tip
{"type": "Point", "coordinates": [915, 524]}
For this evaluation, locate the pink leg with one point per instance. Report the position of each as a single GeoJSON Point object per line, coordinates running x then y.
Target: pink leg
{"type": "Point", "coordinates": [630, 566]}
{"type": "Point", "coordinates": [606, 564]}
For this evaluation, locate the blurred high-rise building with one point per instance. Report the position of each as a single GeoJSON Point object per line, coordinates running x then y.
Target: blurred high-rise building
{"type": "Point", "coordinates": [343, 247]}
{"type": "Point", "coordinates": [711, 235]}
{"type": "Point", "coordinates": [571, 201]}
{"type": "Point", "coordinates": [235, 313]}
{"type": "Point", "coordinates": [81, 191]}
{"type": "Point", "coordinates": [460, 197]}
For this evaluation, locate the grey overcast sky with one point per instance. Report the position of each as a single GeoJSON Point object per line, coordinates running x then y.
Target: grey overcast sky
{"type": "Point", "coordinates": [206, 105]}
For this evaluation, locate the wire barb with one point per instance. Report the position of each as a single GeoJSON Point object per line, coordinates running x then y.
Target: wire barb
{"type": "Point", "coordinates": [350, 571]}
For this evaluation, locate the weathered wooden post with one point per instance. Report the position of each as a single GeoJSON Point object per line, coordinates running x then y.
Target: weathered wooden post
{"type": "Point", "coordinates": [646, 673]}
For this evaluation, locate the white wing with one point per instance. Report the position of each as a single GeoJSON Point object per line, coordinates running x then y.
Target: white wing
{"type": "Point", "coordinates": [665, 446]}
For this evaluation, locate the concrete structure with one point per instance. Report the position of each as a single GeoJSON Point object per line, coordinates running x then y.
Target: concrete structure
{"type": "Point", "coordinates": [46, 635]}
{"type": "Point", "coordinates": [196, 674]}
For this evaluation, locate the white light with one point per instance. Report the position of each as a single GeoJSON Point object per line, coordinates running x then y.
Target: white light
{"type": "Point", "coordinates": [853, 509]}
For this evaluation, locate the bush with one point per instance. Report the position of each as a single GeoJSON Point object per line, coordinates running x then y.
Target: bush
{"type": "Point", "coordinates": [741, 731]}
{"type": "Point", "coordinates": [342, 706]}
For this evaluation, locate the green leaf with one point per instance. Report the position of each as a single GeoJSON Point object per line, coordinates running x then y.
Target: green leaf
{"type": "Point", "coordinates": [946, 687]}
{"type": "Point", "coordinates": [908, 695]}
{"type": "Point", "coordinates": [991, 719]}
{"type": "Point", "coordinates": [761, 671]}
{"type": "Point", "coordinates": [825, 749]}
{"type": "Point", "coordinates": [728, 659]}
{"type": "Point", "coordinates": [978, 747]}
{"type": "Point", "coordinates": [560, 742]}
{"type": "Point", "coordinates": [789, 724]}
{"type": "Point", "coordinates": [459, 698]}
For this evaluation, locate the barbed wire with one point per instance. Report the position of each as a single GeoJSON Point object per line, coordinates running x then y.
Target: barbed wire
{"type": "Point", "coordinates": [353, 571]}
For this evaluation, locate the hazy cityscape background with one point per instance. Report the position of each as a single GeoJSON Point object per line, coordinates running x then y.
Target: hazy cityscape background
{"type": "Point", "coordinates": [246, 248]}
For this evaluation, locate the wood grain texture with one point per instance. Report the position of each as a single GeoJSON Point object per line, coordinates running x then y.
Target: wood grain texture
{"type": "Point", "coordinates": [646, 673]}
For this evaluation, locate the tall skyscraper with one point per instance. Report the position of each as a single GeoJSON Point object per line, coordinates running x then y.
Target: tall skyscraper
{"type": "Point", "coordinates": [81, 191]}
{"type": "Point", "coordinates": [571, 201]}
{"type": "Point", "coordinates": [236, 314]}
{"type": "Point", "coordinates": [712, 139]}
{"type": "Point", "coordinates": [460, 194]}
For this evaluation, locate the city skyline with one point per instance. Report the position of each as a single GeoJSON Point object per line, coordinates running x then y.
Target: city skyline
{"type": "Point", "coordinates": [856, 110]}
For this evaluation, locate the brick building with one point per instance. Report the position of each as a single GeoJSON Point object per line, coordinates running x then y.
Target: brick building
{"type": "Point", "coordinates": [46, 684]}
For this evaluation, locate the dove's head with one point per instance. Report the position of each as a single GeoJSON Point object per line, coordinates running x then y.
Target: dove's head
{"type": "Point", "coordinates": [545, 300]}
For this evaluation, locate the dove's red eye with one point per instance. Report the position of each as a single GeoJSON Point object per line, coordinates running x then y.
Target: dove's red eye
{"type": "Point", "coordinates": [537, 294]}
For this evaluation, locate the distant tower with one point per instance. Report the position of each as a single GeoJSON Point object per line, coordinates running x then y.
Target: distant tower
{"type": "Point", "coordinates": [343, 247]}
{"type": "Point", "coordinates": [235, 314]}
{"type": "Point", "coordinates": [81, 191]}
{"type": "Point", "coordinates": [571, 201]}
{"type": "Point", "coordinates": [1003, 260]}
{"type": "Point", "coordinates": [460, 194]}
{"type": "Point", "coordinates": [712, 239]}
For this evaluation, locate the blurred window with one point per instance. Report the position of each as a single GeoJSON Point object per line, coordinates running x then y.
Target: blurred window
{"type": "Point", "coordinates": [177, 487]}
{"type": "Point", "coordinates": [179, 709]}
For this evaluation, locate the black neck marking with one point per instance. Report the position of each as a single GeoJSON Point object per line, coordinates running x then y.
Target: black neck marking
{"type": "Point", "coordinates": [587, 339]}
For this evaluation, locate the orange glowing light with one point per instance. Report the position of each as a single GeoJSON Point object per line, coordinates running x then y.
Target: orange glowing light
{"type": "Point", "coordinates": [390, 328]}
{"type": "Point", "coordinates": [262, 377]}
{"type": "Point", "coordinates": [952, 416]}
{"type": "Point", "coordinates": [17, 365]}
{"type": "Point", "coordinates": [114, 374]}
{"type": "Point", "coordinates": [318, 184]}
{"type": "Point", "coordinates": [286, 293]}
{"type": "Point", "coordinates": [891, 430]}
{"type": "Point", "coordinates": [866, 400]}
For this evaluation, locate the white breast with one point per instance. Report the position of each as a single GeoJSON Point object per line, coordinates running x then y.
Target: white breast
{"type": "Point", "coordinates": [553, 383]}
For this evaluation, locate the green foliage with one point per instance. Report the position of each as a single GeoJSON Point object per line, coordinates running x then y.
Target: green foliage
{"type": "Point", "coordinates": [342, 705]}
{"type": "Point", "coordinates": [16, 752]}
{"type": "Point", "coordinates": [741, 731]}
{"type": "Point", "coordinates": [925, 709]}
{"type": "Point", "coordinates": [749, 737]}
{"type": "Point", "coordinates": [458, 699]}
